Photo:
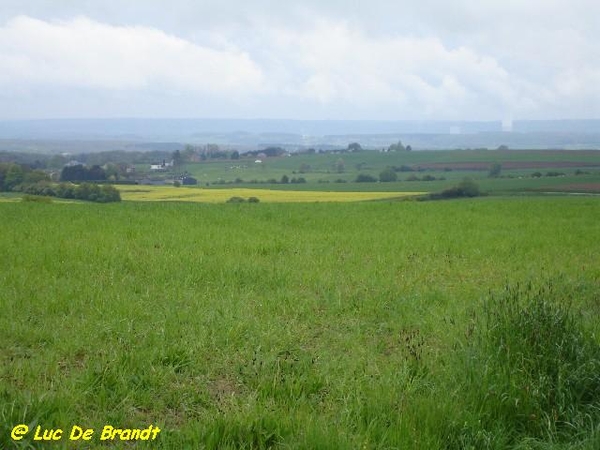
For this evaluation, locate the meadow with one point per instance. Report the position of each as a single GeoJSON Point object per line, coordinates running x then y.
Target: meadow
{"type": "Point", "coordinates": [375, 325]}
{"type": "Point", "coordinates": [530, 172]}
{"type": "Point", "coordinates": [338, 172]}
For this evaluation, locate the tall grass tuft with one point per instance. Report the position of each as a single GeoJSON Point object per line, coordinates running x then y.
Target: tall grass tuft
{"type": "Point", "coordinates": [534, 370]}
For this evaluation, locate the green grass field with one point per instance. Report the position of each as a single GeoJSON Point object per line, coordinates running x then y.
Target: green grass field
{"type": "Point", "coordinates": [338, 172]}
{"type": "Point", "coordinates": [378, 325]}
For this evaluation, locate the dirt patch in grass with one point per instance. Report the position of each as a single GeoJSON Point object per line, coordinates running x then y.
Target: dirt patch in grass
{"type": "Point", "coordinates": [222, 390]}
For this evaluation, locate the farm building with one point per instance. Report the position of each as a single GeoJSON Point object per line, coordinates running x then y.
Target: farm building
{"type": "Point", "coordinates": [161, 166]}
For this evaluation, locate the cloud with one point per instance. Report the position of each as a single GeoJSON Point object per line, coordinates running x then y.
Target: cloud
{"type": "Point", "coordinates": [405, 76]}
{"type": "Point", "coordinates": [313, 59]}
{"type": "Point", "coordinates": [82, 53]}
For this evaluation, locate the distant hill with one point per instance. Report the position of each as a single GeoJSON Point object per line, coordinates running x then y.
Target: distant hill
{"type": "Point", "coordinates": [297, 134]}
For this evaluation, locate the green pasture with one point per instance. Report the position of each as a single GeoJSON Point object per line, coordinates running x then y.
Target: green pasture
{"type": "Point", "coordinates": [338, 172]}
{"type": "Point", "coordinates": [513, 184]}
{"type": "Point", "coordinates": [378, 325]}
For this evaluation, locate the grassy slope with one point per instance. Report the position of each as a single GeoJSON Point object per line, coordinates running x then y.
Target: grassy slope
{"type": "Point", "coordinates": [331, 326]}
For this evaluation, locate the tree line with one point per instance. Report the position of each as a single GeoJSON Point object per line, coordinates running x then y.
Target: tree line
{"type": "Point", "coordinates": [22, 178]}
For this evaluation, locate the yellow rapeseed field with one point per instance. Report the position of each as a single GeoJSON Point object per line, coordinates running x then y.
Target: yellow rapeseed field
{"type": "Point", "coordinates": [185, 194]}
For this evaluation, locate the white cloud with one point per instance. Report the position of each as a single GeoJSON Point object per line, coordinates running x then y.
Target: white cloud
{"type": "Point", "coordinates": [312, 59]}
{"type": "Point", "coordinates": [84, 53]}
{"type": "Point", "coordinates": [405, 76]}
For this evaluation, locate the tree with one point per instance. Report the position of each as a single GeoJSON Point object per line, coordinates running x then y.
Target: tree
{"type": "Point", "coordinates": [188, 153]}
{"type": "Point", "coordinates": [364, 178]}
{"type": "Point", "coordinates": [81, 173]}
{"type": "Point", "coordinates": [3, 170]}
{"type": "Point", "coordinates": [285, 179]}
{"type": "Point", "coordinates": [57, 161]}
{"type": "Point", "coordinates": [35, 176]}
{"type": "Point", "coordinates": [235, 154]}
{"type": "Point", "coordinates": [177, 158]}
{"type": "Point", "coordinates": [398, 147]}
{"type": "Point", "coordinates": [73, 173]}
{"type": "Point", "coordinates": [354, 147]}
{"type": "Point", "coordinates": [495, 170]}
{"type": "Point", "coordinates": [340, 167]}
{"type": "Point", "coordinates": [14, 176]}
{"type": "Point", "coordinates": [273, 151]}
{"type": "Point", "coordinates": [388, 175]}
{"type": "Point", "coordinates": [111, 171]}
{"type": "Point", "coordinates": [96, 173]}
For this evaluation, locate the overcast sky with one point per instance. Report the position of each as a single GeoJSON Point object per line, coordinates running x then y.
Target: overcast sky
{"type": "Point", "coordinates": [309, 59]}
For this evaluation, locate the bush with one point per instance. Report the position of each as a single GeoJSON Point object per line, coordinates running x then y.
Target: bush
{"type": "Point", "coordinates": [236, 199]}
{"type": "Point", "coordinates": [90, 192]}
{"type": "Point", "coordinates": [109, 194]}
{"type": "Point", "coordinates": [364, 178]}
{"type": "Point", "coordinates": [85, 191]}
{"type": "Point", "coordinates": [64, 190]}
{"type": "Point", "coordinates": [40, 188]}
{"type": "Point", "coordinates": [531, 368]}
{"type": "Point", "coordinates": [388, 175]}
{"type": "Point", "coordinates": [466, 188]}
